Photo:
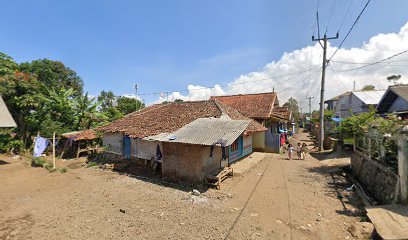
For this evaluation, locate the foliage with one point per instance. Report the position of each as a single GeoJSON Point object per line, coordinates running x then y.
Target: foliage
{"type": "Point", "coordinates": [38, 162]}
{"type": "Point", "coordinates": [356, 124]}
{"type": "Point", "coordinates": [128, 105]}
{"type": "Point", "coordinates": [178, 100]}
{"type": "Point", "coordinates": [368, 88]}
{"type": "Point", "coordinates": [54, 74]}
{"type": "Point", "coordinates": [394, 79]}
{"type": "Point", "coordinates": [293, 106]}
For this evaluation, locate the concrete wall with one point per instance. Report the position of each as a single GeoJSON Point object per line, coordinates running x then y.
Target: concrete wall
{"type": "Point", "coordinates": [258, 141]}
{"type": "Point", "coordinates": [247, 145]}
{"type": "Point", "coordinates": [113, 142]}
{"type": "Point", "coordinates": [189, 163]}
{"type": "Point", "coordinates": [144, 149]}
{"type": "Point", "coordinates": [377, 180]}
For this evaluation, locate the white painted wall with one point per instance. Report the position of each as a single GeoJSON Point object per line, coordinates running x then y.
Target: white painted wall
{"type": "Point", "coordinates": [144, 149]}
{"type": "Point", "coordinates": [113, 142]}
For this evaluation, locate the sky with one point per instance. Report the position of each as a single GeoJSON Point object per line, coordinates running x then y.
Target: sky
{"type": "Point", "coordinates": [234, 46]}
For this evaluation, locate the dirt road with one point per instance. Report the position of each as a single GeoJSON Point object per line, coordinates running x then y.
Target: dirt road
{"type": "Point", "coordinates": [277, 199]}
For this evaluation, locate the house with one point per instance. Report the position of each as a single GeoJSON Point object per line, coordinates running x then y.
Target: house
{"type": "Point", "coordinates": [6, 120]}
{"type": "Point", "coordinates": [357, 102]}
{"type": "Point", "coordinates": [139, 135]}
{"type": "Point", "coordinates": [264, 108]}
{"type": "Point", "coordinates": [332, 103]}
{"type": "Point", "coordinates": [395, 100]}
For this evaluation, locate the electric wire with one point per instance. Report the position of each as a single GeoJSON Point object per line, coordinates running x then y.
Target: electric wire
{"type": "Point", "coordinates": [345, 15]}
{"type": "Point", "coordinates": [330, 16]}
{"type": "Point", "coordinates": [349, 31]}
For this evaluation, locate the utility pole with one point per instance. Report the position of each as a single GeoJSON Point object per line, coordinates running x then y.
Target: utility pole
{"type": "Point", "coordinates": [310, 106]}
{"type": "Point", "coordinates": [137, 102]}
{"type": "Point", "coordinates": [321, 121]}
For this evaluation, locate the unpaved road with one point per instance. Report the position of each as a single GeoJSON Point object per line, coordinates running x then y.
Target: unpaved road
{"type": "Point", "coordinates": [277, 199]}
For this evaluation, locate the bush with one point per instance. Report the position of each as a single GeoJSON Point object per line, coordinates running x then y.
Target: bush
{"type": "Point", "coordinates": [38, 162]}
{"type": "Point", "coordinates": [63, 170]}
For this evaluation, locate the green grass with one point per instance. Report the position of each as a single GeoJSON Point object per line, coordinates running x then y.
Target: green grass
{"type": "Point", "coordinates": [348, 140]}
{"type": "Point", "coordinates": [91, 164]}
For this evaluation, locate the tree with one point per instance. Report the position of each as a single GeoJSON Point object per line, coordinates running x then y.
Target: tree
{"type": "Point", "coordinates": [394, 79]}
{"type": "Point", "coordinates": [106, 99]}
{"type": "Point", "coordinates": [128, 105]}
{"type": "Point", "coordinates": [178, 100]}
{"type": "Point", "coordinates": [87, 111]}
{"type": "Point", "coordinates": [7, 65]}
{"type": "Point", "coordinates": [54, 74]}
{"type": "Point", "coordinates": [368, 88]}
{"type": "Point", "coordinates": [292, 105]}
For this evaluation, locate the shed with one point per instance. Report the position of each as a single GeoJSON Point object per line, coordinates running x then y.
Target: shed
{"type": "Point", "coordinates": [196, 150]}
{"type": "Point", "coordinates": [78, 142]}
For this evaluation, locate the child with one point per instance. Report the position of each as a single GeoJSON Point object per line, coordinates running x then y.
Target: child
{"type": "Point", "coordinates": [304, 150]}
{"type": "Point", "coordinates": [299, 151]}
{"type": "Point", "coordinates": [290, 151]}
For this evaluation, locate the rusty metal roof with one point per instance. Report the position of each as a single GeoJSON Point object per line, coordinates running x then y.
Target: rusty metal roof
{"type": "Point", "coordinates": [6, 120]}
{"type": "Point", "coordinates": [207, 131]}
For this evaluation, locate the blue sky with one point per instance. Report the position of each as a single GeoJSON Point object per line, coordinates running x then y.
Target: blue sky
{"type": "Point", "coordinates": [166, 45]}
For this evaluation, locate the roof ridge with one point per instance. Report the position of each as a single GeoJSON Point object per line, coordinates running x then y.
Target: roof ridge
{"type": "Point", "coordinates": [243, 94]}
{"type": "Point", "coordinates": [220, 107]}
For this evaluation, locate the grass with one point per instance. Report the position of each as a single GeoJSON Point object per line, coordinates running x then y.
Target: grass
{"type": "Point", "coordinates": [348, 140]}
{"type": "Point", "coordinates": [92, 164]}
{"type": "Point", "coordinates": [41, 162]}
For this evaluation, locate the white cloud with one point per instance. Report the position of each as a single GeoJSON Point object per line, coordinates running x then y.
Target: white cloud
{"type": "Point", "coordinates": [306, 62]}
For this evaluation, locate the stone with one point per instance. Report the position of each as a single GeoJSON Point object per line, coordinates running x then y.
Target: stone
{"type": "Point", "coordinates": [196, 192]}
{"type": "Point", "coordinates": [122, 210]}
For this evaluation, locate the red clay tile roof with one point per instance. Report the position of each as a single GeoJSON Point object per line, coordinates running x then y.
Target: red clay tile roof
{"type": "Point", "coordinates": [281, 113]}
{"type": "Point", "coordinates": [81, 135]}
{"type": "Point", "coordinates": [169, 117]}
{"type": "Point", "coordinates": [257, 106]}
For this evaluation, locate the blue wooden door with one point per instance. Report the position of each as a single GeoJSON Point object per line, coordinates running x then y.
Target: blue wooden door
{"type": "Point", "coordinates": [236, 149]}
{"type": "Point", "coordinates": [126, 146]}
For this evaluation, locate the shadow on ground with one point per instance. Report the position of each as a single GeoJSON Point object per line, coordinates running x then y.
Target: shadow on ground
{"type": "Point", "coordinates": [2, 162]}
{"type": "Point", "coordinates": [141, 172]}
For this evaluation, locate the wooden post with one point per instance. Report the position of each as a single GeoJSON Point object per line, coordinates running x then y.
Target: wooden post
{"type": "Point", "coordinates": [53, 149]}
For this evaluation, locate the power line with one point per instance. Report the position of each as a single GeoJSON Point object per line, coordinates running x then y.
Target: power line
{"type": "Point", "coordinates": [330, 16]}
{"type": "Point", "coordinates": [377, 62]}
{"type": "Point", "coordinates": [365, 63]}
{"type": "Point", "coordinates": [232, 84]}
{"type": "Point", "coordinates": [349, 31]}
{"type": "Point", "coordinates": [345, 15]}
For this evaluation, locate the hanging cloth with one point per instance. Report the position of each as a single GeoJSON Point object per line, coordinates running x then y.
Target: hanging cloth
{"type": "Point", "coordinates": [158, 153]}
{"type": "Point", "coordinates": [40, 145]}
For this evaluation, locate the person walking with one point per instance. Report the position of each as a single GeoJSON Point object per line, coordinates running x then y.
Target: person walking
{"type": "Point", "coordinates": [299, 151]}
{"type": "Point", "coordinates": [290, 151]}
{"type": "Point", "coordinates": [304, 150]}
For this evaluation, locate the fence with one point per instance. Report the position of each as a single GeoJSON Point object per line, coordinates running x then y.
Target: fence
{"type": "Point", "coordinates": [380, 148]}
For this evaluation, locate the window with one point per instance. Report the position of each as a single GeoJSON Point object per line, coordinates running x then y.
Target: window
{"type": "Point", "coordinates": [234, 146]}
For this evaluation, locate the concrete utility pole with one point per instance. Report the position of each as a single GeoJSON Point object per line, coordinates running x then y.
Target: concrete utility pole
{"type": "Point", "coordinates": [310, 106]}
{"type": "Point", "coordinates": [137, 103]}
{"type": "Point", "coordinates": [321, 119]}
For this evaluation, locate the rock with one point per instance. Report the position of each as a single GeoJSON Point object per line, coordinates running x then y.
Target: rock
{"type": "Point", "coordinates": [196, 192]}
{"type": "Point", "coordinates": [319, 214]}
{"type": "Point", "coordinates": [122, 210]}
{"type": "Point", "coordinates": [236, 209]}
{"type": "Point", "coordinates": [309, 225]}
{"type": "Point", "coordinates": [278, 221]}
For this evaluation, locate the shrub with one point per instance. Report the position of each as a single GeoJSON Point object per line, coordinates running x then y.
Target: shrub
{"type": "Point", "coordinates": [63, 170]}
{"type": "Point", "coordinates": [38, 162]}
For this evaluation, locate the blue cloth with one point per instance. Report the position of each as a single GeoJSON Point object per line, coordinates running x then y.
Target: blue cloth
{"type": "Point", "coordinates": [337, 119]}
{"type": "Point", "coordinates": [39, 146]}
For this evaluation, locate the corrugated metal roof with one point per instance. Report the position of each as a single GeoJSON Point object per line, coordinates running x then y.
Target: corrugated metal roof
{"type": "Point", "coordinates": [6, 120]}
{"type": "Point", "coordinates": [157, 137]}
{"type": "Point", "coordinates": [207, 131]}
{"type": "Point", "coordinates": [370, 97]}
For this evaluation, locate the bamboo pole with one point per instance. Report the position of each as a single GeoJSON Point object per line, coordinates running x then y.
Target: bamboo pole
{"type": "Point", "coordinates": [53, 150]}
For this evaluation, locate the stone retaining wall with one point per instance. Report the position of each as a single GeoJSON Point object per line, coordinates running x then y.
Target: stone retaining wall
{"type": "Point", "coordinates": [376, 179]}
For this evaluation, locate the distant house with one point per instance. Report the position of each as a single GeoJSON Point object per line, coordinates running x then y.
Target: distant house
{"type": "Point", "coordinates": [357, 102]}
{"type": "Point", "coordinates": [264, 108]}
{"type": "Point", "coordinates": [395, 100]}
{"type": "Point", "coordinates": [156, 131]}
{"type": "Point", "coordinates": [6, 120]}
{"type": "Point", "coordinates": [332, 103]}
